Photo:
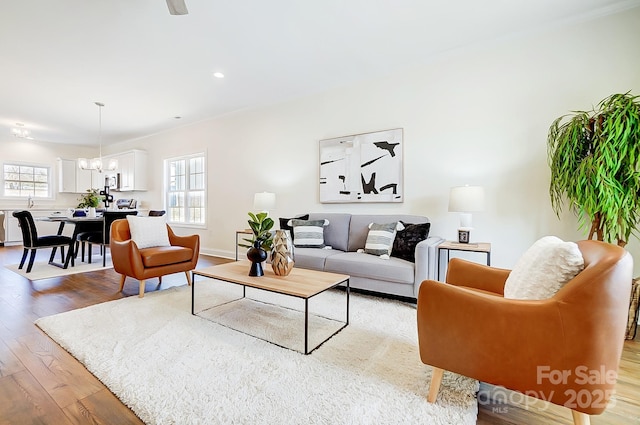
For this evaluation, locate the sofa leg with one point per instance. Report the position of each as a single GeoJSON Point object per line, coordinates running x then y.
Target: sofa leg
{"type": "Point", "coordinates": [580, 418]}
{"type": "Point", "coordinates": [122, 279]}
{"type": "Point", "coordinates": [141, 294]}
{"type": "Point", "coordinates": [188, 278]}
{"type": "Point", "coordinates": [436, 378]}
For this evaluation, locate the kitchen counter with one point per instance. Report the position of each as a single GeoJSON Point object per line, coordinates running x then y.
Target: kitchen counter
{"type": "Point", "coordinates": [11, 233]}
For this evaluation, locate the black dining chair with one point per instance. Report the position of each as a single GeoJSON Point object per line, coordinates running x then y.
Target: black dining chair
{"type": "Point", "coordinates": [81, 237]}
{"type": "Point", "coordinates": [156, 213]}
{"type": "Point", "coordinates": [32, 242]}
{"type": "Point", "coordinates": [102, 238]}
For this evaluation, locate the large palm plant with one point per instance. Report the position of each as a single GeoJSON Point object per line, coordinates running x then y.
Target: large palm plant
{"type": "Point", "coordinates": [594, 158]}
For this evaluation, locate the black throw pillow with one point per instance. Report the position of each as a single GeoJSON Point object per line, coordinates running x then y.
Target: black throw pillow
{"type": "Point", "coordinates": [285, 226]}
{"type": "Point", "coordinates": [404, 245]}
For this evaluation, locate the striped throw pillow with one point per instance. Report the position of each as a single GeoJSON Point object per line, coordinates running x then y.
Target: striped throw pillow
{"type": "Point", "coordinates": [380, 238]}
{"type": "Point", "coordinates": [308, 233]}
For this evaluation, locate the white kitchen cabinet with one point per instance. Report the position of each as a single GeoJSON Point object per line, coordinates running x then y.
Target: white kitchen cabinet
{"type": "Point", "coordinates": [12, 231]}
{"type": "Point", "coordinates": [132, 167]}
{"type": "Point", "coordinates": [74, 180]}
{"type": "Point", "coordinates": [85, 180]}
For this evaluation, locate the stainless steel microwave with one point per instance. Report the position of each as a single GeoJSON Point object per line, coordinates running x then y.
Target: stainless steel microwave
{"type": "Point", "coordinates": [113, 181]}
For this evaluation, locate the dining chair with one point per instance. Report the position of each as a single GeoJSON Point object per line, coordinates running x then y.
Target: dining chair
{"type": "Point", "coordinates": [32, 242]}
{"type": "Point", "coordinates": [81, 237]}
{"type": "Point", "coordinates": [102, 238]}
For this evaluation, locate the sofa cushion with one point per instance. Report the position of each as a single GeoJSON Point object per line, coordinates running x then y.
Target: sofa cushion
{"type": "Point", "coordinates": [284, 223]}
{"type": "Point", "coordinates": [544, 269]}
{"type": "Point", "coordinates": [336, 234]}
{"type": "Point", "coordinates": [404, 245]}
{"type": "Point", "coordinates": [380, 238]}
{"type": "Point", "coordinates": [165, 255]}
{"type": "Point", "coordinates": [359, 227]}
{"type": "Point", "coordinates": [369, 266]}
{"type": "Point", "coordinates": [312, 258]}
{"type": "Point", "coordinates": [308, 233]}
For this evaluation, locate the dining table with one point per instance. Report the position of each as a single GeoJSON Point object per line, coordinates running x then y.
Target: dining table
{"type": "Point", "coordinates": [81, 224]}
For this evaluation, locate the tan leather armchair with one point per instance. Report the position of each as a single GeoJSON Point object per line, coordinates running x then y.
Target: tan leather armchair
{"type": "Point", "coordinates": [565, 349]}
{"type": "Point", "coordinates": [142, 264]}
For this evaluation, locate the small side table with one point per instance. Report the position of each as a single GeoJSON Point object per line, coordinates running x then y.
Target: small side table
{"type": "Point", "coordinates": [241, 232]}
{"type": "Point", "coordinates": [449, 246]}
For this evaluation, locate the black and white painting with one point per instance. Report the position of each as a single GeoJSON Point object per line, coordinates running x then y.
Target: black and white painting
{"type": "Point", "coordinates": [362, 168]}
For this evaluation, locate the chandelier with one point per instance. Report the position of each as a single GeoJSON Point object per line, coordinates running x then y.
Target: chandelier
{"type": "Point", "coordinates": [21, 132]}
{"type": "Point", "coordinates": [97, 163]}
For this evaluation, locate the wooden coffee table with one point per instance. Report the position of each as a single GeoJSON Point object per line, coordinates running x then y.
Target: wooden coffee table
{"type": "Point", "coordinates": [300, 283]}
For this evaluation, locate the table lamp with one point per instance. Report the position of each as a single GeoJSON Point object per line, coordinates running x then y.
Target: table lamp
{"type": "Point", "coordinates": [465, 200]}
{"type": "Point", "coordinates": [264, 202]}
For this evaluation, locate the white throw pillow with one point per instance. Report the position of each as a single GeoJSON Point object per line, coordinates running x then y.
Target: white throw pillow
{"type": "Point", "coordinates": [148, 231]}
{"type": "Point", "coordinates": [543, 269]}
{"type": "Point", "coordinates": [308, 233]}
{"type": "Point", "coordinates": [380, 238]}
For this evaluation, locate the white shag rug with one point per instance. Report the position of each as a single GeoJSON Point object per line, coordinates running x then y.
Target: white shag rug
{"type": "Point", "coordinates": [171, 367]}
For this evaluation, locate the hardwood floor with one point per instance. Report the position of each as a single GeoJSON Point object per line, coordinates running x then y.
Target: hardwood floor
{"type": "Point", "coordinates": [40, 383]}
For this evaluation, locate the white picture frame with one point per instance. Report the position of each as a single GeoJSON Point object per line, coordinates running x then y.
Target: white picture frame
{"type": "Point", "coordinates": [362, 168]}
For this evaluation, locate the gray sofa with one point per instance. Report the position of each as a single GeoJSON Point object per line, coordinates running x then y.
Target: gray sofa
{"type": "Point", "coordinates": [346, 233]}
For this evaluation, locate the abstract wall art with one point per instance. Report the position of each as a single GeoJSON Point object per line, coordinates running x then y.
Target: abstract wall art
{"type": "Point", "coordinates": [362, 168]}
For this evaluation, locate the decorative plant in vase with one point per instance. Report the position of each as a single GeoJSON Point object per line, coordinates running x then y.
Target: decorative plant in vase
{"type": "Point", "coordinates": [260, 243]}
{"type": "Point", "coordinates": [595, 166]}
{"type": "Point", "coordinates": [90, 200]}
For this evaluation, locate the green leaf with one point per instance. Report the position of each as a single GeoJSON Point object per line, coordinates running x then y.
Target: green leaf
{"type": "Point", "coordinates": [594, 161]}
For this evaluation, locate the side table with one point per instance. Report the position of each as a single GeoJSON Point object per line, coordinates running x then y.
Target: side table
{"type": "Point", "coordinates": [241, 232]}
{"type": "Point", "coordinates": [482, 247]}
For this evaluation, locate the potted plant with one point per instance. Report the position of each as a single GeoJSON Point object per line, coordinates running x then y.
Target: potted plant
{"type": "Point", "coordinates": [90, 200]}
{"type": "Point", "coordinates": [594, 158]}
{"type": "Point", "coordinates": [260, 242]}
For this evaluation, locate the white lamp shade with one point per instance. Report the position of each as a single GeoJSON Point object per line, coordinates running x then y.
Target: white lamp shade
{"type": "Point", "coordinates": [466, 199]}
{"type": "Point", "coordinates": [264, 201]}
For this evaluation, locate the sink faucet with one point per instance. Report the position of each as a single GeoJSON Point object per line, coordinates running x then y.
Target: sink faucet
{"type": "Point", "coordinates": [30, 202]}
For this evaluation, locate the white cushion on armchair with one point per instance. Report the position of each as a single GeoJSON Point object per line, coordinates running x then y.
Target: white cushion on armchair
{"type": "Point", "coordinates": [544, 269]}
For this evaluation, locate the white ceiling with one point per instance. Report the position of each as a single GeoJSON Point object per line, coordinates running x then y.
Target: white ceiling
{"type": "Point", "coordinates": [147, 66]}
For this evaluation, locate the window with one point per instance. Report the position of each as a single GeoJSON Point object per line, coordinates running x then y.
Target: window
{"type": "Point", "coordinates": [185, 189]}
{"type": "Point", "coordinates": [24, 180]}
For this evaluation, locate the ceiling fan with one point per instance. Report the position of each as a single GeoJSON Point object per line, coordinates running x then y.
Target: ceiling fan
{"type": "Point", "coordinates": [177, 7]}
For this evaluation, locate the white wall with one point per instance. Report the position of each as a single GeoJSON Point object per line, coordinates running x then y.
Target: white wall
{"type": "Point", "coordinates": [41, 153]}
{"type": "Point", "coordinates": [478, 116]}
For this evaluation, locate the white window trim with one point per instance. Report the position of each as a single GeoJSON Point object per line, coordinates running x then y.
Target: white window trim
{"type": "Point", "coordinates": [51, 183]}
{"type": "Point", "coordinates": [165, 190]}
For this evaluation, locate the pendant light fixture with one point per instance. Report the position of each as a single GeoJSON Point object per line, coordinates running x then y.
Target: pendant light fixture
{"type": "Point", "coordinates": [96, 163]}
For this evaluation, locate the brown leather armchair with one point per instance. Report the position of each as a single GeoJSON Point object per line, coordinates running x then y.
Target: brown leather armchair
{"type": "Point", "coordinates": [142, 264]}
{"type": "Point", "coordinates": [565, 349]}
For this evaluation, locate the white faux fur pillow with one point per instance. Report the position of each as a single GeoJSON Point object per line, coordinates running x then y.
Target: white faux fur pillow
{"type": "Point", "coordinates": [148, 231]}
{"type": "Point", "coordinates": [543, 269]}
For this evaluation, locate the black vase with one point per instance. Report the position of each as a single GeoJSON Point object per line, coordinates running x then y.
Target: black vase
{"type": "Point", "coordinates": [256, 255]}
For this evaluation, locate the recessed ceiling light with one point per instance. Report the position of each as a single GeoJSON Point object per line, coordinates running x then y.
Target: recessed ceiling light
{"type": "Point", "coordinates": [218, 74]}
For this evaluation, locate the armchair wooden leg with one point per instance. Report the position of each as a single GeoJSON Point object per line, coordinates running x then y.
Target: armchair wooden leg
{"type": "Point", "coordinates": [436, 378]}
{"type": "Point", "coordinates": [188, 278]}
{"type": "Point", "coordinates": [141, 294]}
{"type": "Point", "coordinates": [122, 279]}
{"type": "Point", "coordinates": [580, 418]}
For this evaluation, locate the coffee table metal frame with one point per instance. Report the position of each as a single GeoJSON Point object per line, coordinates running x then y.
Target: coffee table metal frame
{"type": "Point", "coordinates": [251, 282]}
